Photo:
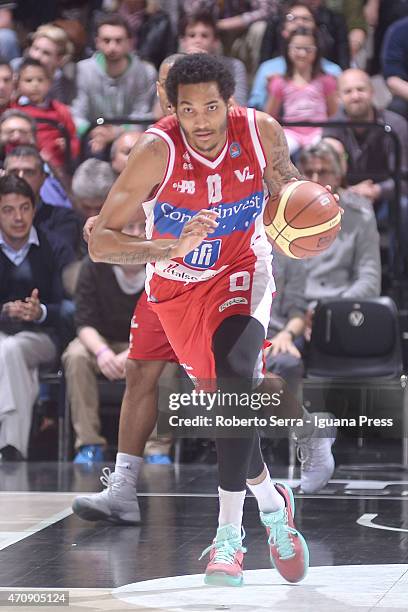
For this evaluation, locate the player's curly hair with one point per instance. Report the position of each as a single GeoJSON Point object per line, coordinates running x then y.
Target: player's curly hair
{"type": "Point", "coordinates": [199, 68]}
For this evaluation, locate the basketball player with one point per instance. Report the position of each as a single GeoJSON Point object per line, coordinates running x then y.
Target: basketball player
{"type": "Point", "coordinates": [200, 174]}
{"type": "Point", "coordinates": [149, 351]}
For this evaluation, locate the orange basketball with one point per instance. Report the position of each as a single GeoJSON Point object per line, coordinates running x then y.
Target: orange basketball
{"type": "Point", "coordinates": [303, 220]}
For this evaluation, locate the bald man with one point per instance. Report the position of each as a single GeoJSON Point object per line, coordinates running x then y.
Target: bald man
{"type": "Point", "coordinates": [370, 152]}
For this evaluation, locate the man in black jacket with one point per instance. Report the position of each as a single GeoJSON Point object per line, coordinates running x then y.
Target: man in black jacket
{"type": "Point", "coordinates": [26, 162]}
{"type": "Point", "coordinates": [30, 302]}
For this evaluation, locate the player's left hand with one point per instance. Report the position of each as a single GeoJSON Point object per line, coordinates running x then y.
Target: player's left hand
{"type": "Point", "coordinates": [195, 231]}
{"type": "Point", "coordinates": [335, 196]}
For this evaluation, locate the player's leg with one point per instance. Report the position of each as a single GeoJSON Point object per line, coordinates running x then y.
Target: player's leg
{"type": "Point", "coordinates": [118, 501]}
{"type": "Point", "coordinates": [287, 548]}
{"type": "Point", "coordinates": [148, 354]}
{"type": "Point", "coordinates": [237, 344]}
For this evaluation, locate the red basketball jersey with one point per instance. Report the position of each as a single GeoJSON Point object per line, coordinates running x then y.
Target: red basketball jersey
{"type": "Point", "coordinates": [231, 184]}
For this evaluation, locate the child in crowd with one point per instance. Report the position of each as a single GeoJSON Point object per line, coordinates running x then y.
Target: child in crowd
{"type": "Point", "coordinates": [33, 87]}
{"type": "Point", "coordinates": [305, 93]}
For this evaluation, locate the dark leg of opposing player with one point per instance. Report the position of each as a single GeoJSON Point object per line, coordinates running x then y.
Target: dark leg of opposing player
{"type": "Point", "coordinates": [118, 502]}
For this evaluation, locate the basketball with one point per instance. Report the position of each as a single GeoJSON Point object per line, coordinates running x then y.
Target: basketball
{"type": "Point", "coordinates": [303, 220]}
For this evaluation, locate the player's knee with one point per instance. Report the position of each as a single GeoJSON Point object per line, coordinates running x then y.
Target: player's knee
{"type": "Point", "coordinates": [142, 374]}
{"type": "Point", "coordinates": [234, 366]}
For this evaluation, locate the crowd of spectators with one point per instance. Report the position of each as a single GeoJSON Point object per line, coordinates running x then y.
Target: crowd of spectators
{"type": "Point", "coordinates": [79, 82]}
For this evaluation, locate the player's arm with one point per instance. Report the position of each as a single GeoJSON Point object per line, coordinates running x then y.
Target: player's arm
{"type": "Point", "coordinates": [143, 173]}
{"type": "Point", "coordinates": [279, 169]}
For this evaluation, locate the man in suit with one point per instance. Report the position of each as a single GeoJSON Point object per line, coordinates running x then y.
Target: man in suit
{"type": "Point", "coordinates": [30, 302]}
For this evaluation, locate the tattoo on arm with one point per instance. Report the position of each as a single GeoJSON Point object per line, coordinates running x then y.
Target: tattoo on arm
{"type": "Point", "coordinates": [140, 257]}
{"type": "Point", "coordinates": [280, 170]}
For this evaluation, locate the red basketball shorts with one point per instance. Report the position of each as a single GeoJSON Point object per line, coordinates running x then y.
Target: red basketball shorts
{"type": "Point", "coordinates": [148, 341]}
{"type": "Point", "coordinates": [190, 318]}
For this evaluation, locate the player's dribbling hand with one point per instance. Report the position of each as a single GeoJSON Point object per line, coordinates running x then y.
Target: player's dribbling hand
{"type": "Point", "coordinates": [335, 196]}
{"type": "Point", "coordinates": [195, 231]}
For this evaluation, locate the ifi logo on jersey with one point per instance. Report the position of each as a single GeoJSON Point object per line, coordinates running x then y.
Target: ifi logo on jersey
{"type": "Point", "coordinates": [204, 256]}
{"type": "Point", "coordinates": [185, 186]}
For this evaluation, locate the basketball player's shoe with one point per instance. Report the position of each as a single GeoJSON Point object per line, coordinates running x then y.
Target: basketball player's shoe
{"type": "Point", "coordinates": [117, 503]}
{"type": "Point", "coordinates": [226, 558]}
{"type": "Point", "coordinates": [288, 550]}
{"type": "Point", "coordinates": [316, 456]}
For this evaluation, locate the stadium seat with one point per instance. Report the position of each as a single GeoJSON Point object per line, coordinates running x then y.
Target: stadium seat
{"type": "Point", "coordinates": [356, 344]}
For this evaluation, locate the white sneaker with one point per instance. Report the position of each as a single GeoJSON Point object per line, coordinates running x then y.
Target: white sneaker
{"type": "Point", "coordinates": [316, 457]}
{"type": "Point", "coordinates": [117, 503]}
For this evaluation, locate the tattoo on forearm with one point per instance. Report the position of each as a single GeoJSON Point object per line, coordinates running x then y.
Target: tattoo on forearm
{"type": "Point", "coordinates": [282, 170]}
{"type": "Point", "coordinates": [143, 256]}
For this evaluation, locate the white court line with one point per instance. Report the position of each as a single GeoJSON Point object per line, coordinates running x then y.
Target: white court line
{"type": "Point", "coordinates": [215, 495]}
{"type": "Point", "coordinates": [366, 520]}
{"type": "Point", "coordinates": [16, 536]}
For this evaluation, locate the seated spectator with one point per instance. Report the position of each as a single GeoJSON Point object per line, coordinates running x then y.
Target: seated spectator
{"type": "Point", "coordinates": [112, 84]}
{"type": "Point", "coordinates": [33, 90]}
{"type": "Point", "coordinates": [198, 34]}
{"type": "Point", "coordinates": [370, 151]}
{"type": "Point", "coordinates": [331, 26]}
{"type": "Point", "coordinates": [121, 149]}
{"type": "Point", "coordinates": [350, 267]}
{"type": "Point", "coordinates": [30, 299]}
{"type": "Point", "coordinates": [152, 34]}
{"type": "Point", "coordinates": [18, 128]}
{"type": "Point", "coordinates": [305, 93]}
{"type": "Point", "coordinates": [26, 162]}
{"type": "Point", "coordinates": [380, 14]}
{"type": "Point", "coordinates": [91, 184]}
{"type": "Point", "coordinates": [9, 46]}
{"type": "Point", "coordinates": [6, 85]}
{"type": "Point", "coordinates": [353, 12]}
{"type": "Point", "coordinates": [395, 65]}
{"type": "Point", "coordinates": [51, 46]}
{"type": "Point", "coordinates": [240, 25]}
{"type": "Point", "coordinates": [300, 16]}
{"type": "Point", "coordinates": [105, 299]}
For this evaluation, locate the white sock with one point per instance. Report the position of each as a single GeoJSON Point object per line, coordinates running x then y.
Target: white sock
{"type": "Point", "coordinates": [128, 466]}
{"type": "Point", "coordinates": [268, 497]}
{"type": "Point", "coordinates": [231, 508]}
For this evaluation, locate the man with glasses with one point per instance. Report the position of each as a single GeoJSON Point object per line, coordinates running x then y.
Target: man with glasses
{"type": "Point", "coordinates": [26, 162]}
{"type": "Point", "coordinates": [299, 16]}
{"type": "Point", "coordinates": [350, 268]}
{"type": "Point", "coordinates": [16, 129]}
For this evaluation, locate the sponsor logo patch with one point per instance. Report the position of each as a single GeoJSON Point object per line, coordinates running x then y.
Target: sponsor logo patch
{"type": "Point", "coordinates": [185, 186]}
{"type": "Point", "coordinates": [234, 150]}
{"type": "Point", "coordinates": [204, 256]}
{"type": "Point", "coordinates": [245, 175]}
{"type": "Point", "coordinates": [232, 302]}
